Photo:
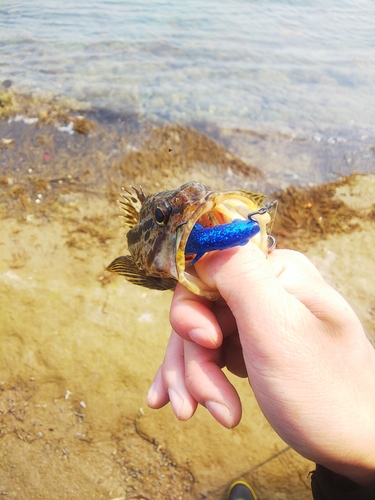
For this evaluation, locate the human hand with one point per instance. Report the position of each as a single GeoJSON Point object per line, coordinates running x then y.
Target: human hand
{"type": "Point", "coordinates": [302, 347]}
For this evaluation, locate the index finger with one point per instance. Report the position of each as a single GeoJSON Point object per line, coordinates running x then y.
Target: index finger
{"type": "Point", "coordinates": [192, 318]}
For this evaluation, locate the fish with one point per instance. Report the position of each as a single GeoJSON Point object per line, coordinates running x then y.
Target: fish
{"type": "Point", "coordinates": [168, 232]}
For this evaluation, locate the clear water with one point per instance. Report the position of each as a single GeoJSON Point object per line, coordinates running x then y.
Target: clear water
{"type": "Point", "coordinates": [299, 66]}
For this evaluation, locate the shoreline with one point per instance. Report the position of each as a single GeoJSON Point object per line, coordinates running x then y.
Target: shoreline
{"type": "Point", "coordinates": [94, 139]}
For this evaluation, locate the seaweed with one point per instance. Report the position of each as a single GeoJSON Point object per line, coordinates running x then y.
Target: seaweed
{"type": "Point", "coordinates": [308, 214]}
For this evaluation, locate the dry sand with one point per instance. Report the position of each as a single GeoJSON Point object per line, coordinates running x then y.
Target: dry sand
{"type": "Point", "coordinates": [79, 348]}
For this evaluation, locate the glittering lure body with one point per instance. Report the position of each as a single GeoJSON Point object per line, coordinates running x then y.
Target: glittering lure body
{"type": "Point", "coordinates": [206, 239]}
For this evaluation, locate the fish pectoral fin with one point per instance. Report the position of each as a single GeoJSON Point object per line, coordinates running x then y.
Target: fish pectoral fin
{"type": "Point", "coordinates": [126, 267]}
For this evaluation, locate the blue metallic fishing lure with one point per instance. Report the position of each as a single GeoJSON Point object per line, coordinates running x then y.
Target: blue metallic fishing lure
{"type": "Point", "coordinates": [206, 239]}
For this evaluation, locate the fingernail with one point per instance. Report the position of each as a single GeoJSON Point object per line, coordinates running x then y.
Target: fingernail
{"type": "Point", "coordinates": [200, 336]}
{"type": "Point", "coordinates": [220, 412]}
{"type": "Point", "coordinates": [151, 395]}
{"type": "Point", "coordinates": [176, 402]}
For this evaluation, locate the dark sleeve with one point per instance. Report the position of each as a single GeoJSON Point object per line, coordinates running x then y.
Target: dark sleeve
{"type": "Point", "coordinates": [327, 485]}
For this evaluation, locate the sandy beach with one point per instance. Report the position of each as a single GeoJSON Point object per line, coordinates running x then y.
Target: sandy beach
{"type": "Point", "coordinates": [79, 346]}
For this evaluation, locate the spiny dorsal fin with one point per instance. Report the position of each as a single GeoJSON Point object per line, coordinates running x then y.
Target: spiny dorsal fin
{"type": "Point", "coordinates": [132, 204]}
{"type": "Point", "coordinates": [257, 197]}
{"type": "Point", "coordinates": [125, 266]}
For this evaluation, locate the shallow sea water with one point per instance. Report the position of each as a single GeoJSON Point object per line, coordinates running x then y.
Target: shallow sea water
{"type": "Point", "coordinates": [300, 68]}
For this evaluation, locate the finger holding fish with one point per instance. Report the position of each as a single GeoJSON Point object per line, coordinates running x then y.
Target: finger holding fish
{"type": "Point", "coordinates": [200, 320]}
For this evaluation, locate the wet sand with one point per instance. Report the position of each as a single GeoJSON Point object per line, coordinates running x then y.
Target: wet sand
{"type": "Point", "coordinates": [79, 346]}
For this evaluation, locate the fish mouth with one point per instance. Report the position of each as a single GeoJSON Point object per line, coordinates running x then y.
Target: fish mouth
{"type": "Point", "coordinates": [216, 209]}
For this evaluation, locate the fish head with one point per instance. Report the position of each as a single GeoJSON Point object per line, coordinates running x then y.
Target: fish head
{"type": "Point", "coordinates": [153, 240]}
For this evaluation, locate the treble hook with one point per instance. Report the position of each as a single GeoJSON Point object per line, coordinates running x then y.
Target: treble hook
{"type": "Point", "coordinates": [271, 243]}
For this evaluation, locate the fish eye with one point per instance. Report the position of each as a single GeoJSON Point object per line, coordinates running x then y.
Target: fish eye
{"type": "Point", "coordinates": [162, 214]}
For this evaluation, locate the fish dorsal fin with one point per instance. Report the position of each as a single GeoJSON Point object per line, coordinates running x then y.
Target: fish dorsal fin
{"type": "Point", "coordinates": [131, 205]}
{"type": "Point", "coordinates": [257, 197]}
{"type": "Point", "coordinates": [125, 266]}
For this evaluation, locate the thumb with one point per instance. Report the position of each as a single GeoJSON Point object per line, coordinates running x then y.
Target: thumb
{"type": "Point", "coordinates": [248, 283]}
{"type": "Point", "coordinates": [280, 304]}
{"type": "Point", "coordinates": [268, 317]}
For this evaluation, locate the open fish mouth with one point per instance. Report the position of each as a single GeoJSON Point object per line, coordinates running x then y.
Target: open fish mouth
{"type": "Point", "coordinates": [215, 210]}
{"type": "Point", "coordinates": [168, 232]}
